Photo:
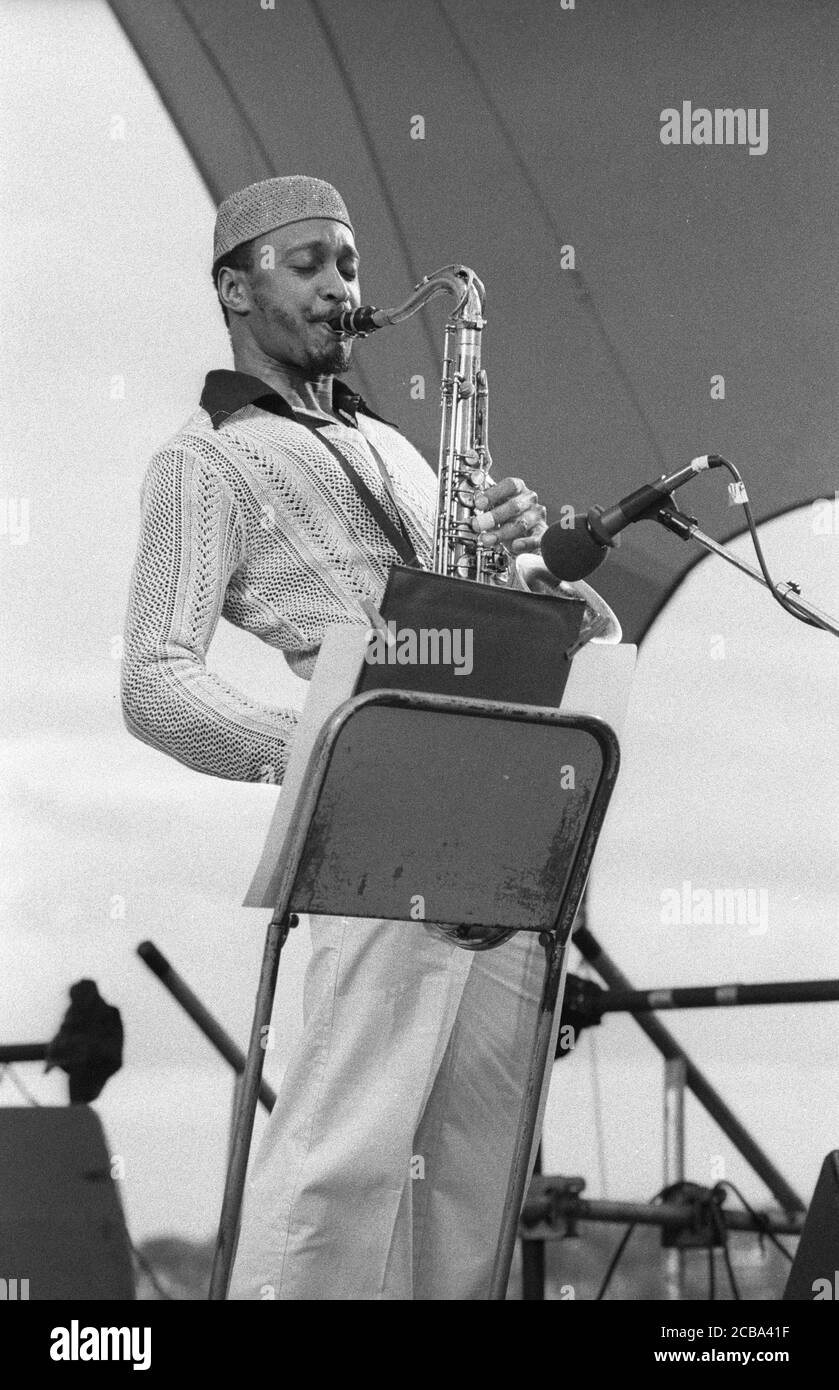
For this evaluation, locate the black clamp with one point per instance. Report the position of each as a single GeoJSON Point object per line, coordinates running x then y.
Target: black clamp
{"type": "Point", "coordinates": [704, 1227]}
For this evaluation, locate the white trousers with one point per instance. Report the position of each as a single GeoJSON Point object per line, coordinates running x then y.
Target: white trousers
{"type": "Point", "coordinates": [383, 1168]}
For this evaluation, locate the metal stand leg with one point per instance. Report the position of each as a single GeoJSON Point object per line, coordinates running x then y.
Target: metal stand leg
{"type": "Point", "coordinates": [533, 1271]}
{"type": "Point", "coordinates": [533, 1259]}
{"type": "Point", "coordinates": [234, 1186]}
{"type": "Point", "coordinates": [535, 1094]}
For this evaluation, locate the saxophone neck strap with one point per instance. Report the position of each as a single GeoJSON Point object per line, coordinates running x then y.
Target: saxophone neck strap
{"type": "Point", "coordinates": [395, 533]}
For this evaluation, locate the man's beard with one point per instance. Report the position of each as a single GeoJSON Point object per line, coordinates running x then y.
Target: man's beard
{"type": "Point", "coordinates": [333, 360]}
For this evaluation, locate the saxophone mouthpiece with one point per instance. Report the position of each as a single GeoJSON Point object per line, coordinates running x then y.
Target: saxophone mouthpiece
{"type": "Point", "coordinates": [358, 323]}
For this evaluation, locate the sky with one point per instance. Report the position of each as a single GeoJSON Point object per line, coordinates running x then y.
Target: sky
{"type": "Point", "coordinates": [729, 753]}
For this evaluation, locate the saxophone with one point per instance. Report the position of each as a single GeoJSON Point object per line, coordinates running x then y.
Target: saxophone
{"type": "Point", "coordinates": [463, 434]}
{"type": "Point", "coordinates": [464, 451]}
{"type": "Point", "coordinates": [463, 470]}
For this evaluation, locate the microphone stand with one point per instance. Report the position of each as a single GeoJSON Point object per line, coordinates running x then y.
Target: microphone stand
{"type": "Point", "coordinates": [686, 528]}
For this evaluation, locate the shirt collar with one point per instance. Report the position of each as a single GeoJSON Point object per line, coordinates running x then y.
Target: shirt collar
{"type": "Point", "coordinates": [227, 391]}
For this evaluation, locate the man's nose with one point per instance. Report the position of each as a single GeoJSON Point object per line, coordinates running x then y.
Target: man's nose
{"type": "Point", "coordinates": [332, 285]}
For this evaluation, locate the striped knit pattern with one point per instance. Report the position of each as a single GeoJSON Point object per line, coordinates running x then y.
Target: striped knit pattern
{"type": "Point", "coordinates": [254, 522]}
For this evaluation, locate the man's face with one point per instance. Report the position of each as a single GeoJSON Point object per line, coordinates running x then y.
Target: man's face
{"type": "Point", "coordinates": [313, 277]}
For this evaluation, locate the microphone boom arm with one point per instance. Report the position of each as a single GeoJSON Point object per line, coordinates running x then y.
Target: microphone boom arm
{"type": "Point", "coordinates": [687, 528]}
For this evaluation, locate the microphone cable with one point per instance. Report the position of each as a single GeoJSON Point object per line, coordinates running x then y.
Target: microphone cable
{"type": "Point", "coordinates": [740, 495]}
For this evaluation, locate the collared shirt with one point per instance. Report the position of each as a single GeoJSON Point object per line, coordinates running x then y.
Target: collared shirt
{"type": "Point", "coordinates": [226, 391]}
{"type": "Point", "coordinates": [246, 515]}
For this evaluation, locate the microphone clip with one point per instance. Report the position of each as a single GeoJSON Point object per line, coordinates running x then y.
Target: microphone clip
{"type": "Point", "coordinates": [600, 532]}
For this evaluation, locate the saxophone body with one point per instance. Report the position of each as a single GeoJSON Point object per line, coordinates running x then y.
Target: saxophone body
{"type": "Point", "coordinates": [464, 400]}
{"type": "Point", "coordinates": [464, 460]}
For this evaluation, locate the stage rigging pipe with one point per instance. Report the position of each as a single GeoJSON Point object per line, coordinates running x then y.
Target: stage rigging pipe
{"type": "Point", "coordinates": [675, 1081]}
{"type": "Point", "coordinates": [22, 1052]}
{"type": "Point", "coordinates": [636, 1001]}
{"type": "Point", "coordinates": [544, 1208]}
{"type": "Point", "coordinates": [200, 1015]}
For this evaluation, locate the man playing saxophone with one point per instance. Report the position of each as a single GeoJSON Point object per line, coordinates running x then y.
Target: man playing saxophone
{"type": "Point", "coordinates": [384, 1165]}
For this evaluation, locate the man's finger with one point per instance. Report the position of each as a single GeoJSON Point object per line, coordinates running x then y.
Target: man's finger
{"type": "Point", "coordinates": [531, 544]}
{"type": "Point", "coordinates": [503, 491]}
{"type": "Point", "coordinates": [524, 504]}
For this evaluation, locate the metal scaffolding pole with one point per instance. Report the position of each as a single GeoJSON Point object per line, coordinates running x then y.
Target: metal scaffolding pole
{"type": "Point", "coordinates": [667, 1045]}
{"type": "Point", "coordinates": [200, 1015]}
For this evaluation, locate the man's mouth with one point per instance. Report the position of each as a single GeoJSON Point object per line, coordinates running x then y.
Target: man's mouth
{"type": "Point", "coordinates": [328, 324]}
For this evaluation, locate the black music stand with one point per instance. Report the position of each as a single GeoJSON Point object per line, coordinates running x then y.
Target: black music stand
{"type": "Point", "coordinates": [371, 805]}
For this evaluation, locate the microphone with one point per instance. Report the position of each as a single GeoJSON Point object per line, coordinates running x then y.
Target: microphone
{"type": "Point", "coordinates": [572, 552]}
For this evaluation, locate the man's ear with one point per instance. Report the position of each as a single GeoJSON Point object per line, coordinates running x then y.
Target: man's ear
{"type": "Point", "coordinates": [234, 291]}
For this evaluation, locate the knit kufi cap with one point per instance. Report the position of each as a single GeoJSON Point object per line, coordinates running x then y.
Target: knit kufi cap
{"type": "Point", "coordinates": [262, 207]}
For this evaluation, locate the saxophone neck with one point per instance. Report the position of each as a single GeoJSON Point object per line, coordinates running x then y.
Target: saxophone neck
{"type": "Point", "coordinates": [456, 280]}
